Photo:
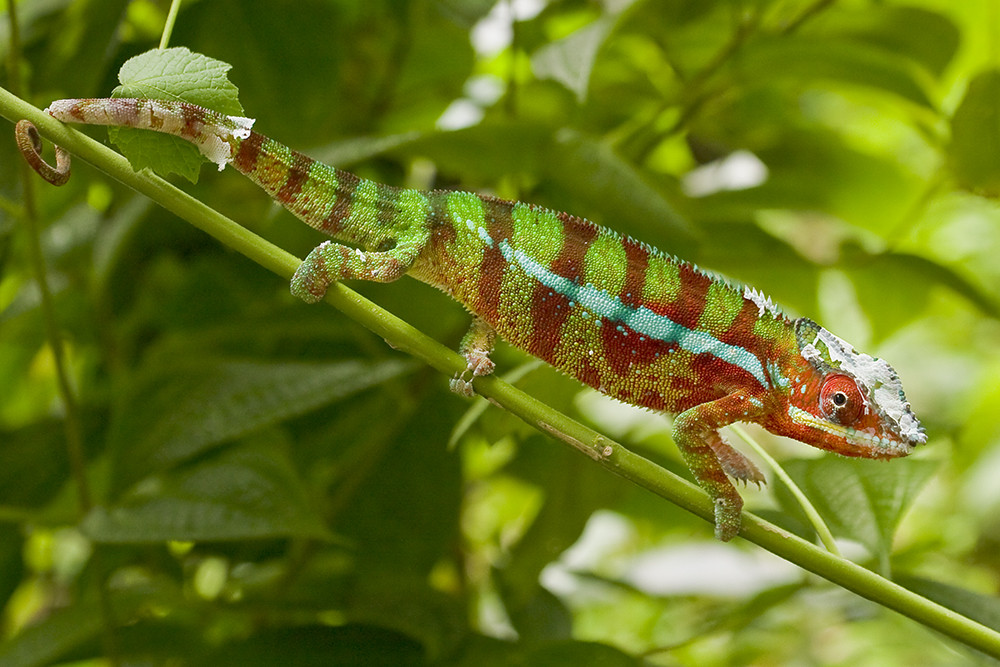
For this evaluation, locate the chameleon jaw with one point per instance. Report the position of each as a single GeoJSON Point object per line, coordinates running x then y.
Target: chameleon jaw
{"type": "Point", "coordinates": [855, 442]}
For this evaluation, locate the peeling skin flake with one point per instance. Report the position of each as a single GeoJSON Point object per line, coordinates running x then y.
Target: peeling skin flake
{"type": "Point", "coordinates": [215, 144]}
{"type": "Point", "coordinates": [243, 126]}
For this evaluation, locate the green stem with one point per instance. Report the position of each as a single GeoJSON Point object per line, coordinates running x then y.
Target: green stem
{"type": "Point", "coordinates": [74, 439]}
{"type": "Point", "coordinates": [825, 536]}
{"type": "Point", "coordinates": [168, 25]}
{"type": "Point", "coordinates": [607, 453]}
{"type": "Point", "coordinates": [71, 423]}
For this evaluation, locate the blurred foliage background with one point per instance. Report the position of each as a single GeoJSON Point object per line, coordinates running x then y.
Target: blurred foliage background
{"type": "Point", "coordinates": [270, 483]}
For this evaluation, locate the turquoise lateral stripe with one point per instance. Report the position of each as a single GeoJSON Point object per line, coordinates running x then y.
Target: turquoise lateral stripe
{"type": "Point", "coordinates": [641, 320]}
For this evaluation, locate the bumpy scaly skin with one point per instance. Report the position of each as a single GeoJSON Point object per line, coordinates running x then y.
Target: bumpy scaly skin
{"type": "Point", "coordinates": [620, 316]}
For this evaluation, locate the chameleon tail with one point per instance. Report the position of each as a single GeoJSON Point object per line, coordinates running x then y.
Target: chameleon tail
{"type": "Point", "coordinates": [321, 196]}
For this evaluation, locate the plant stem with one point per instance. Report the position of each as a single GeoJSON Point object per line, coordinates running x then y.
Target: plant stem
{"type": "Point", "coordinates": [825, 536]}
{"type": "Point", "coordinates": [71, 422]}
{"type": "Point", "coordinates": [606, 452]}
{"type": "Point", "coordinates": [168, 25]}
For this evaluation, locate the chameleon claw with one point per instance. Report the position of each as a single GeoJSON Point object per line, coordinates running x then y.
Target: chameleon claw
{"type": "Point", "coordinates": [461, 386]}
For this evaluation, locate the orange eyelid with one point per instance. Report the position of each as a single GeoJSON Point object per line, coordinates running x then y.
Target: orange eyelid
{"type": "Point", "coordinates": [840, 399]}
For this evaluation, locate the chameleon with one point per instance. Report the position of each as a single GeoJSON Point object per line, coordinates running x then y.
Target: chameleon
{"type": "Point", "coordinates": [631, 321]}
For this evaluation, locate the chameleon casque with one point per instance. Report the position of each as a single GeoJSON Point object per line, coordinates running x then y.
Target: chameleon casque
{"type": "Point", "coordinates": [620, 316]}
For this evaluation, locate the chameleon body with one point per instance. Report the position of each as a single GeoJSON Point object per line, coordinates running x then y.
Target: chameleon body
{"type": "Point", "coordinates": [620, 316]}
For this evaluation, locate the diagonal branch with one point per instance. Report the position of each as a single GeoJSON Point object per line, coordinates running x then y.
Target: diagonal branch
{"type": "Point", "coordinates": [604, 451]}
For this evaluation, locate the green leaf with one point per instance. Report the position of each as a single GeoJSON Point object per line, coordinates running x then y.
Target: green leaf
{"type": "Point", "coordinates": [54, 636]}
{"type": "Point", "coordinates": [894, 288]}
{"type": "Point", "coordinates": [813, 168]}
{"type": "Point", "coordinates": [319, 646]}
{"type": "Point", "coordinates": [571, 59]}
{"type": "Point", "coordinates": [571, 653]}
{"type": "Point", "coordinates": [176, 409]}
{"type": "Point", "coordinates": [974, 150]}
{"type": "Point", "coordinates": [480, 651]}
{"type": "Point", "coordinates": [11, 561]}
{"type": "Point", "coordinates": [862, 500]}
{"type": "Point", "coordinates": [402, 493]}
{"type": "Point", "coordinates": [814, 58]}
{"type": "Point", "coordinates": [172, 74]}
{"type": "Point", "coordinates": [404, 602]}
{"type": "Point", "coordinates": [616, 189]}
{"type": "Point", "coordinates": [982, 608]}
{"type": "Point", "coordinates": [574, 488]}
{"type": "Point", "coordinates": [921, 36]}
{"type": "Point", "coordinates": [247, 492]}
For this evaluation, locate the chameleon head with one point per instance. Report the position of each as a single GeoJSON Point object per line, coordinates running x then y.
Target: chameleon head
{"type": "Point", "coordinates": [846, 401]}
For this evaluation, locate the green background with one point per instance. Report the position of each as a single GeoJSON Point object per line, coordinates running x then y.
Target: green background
{"type": "Point", "coordinates": [273, 483]}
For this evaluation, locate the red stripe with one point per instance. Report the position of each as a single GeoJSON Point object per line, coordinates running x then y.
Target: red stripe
{"type": "Point", "coordinates": [500, 227]}
{"type": "Point", "coordinates": [549, 309]}
{"type": "Point", "coordinates": [636, 264]}
{"type": "Point", "coordinates": [629, 352]}
{"type": "Point", "coordinates": [298, 172]}
{"type": "Point", "coordinates": [740, 332]}
{"type": "Point", "coordinates": [248, 153]}
{"type": "Point", "coordinates": [346, 184]}
{"type": "Point", "coordinates": [687, 305]}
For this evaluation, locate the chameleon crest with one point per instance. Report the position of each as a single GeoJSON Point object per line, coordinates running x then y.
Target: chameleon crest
{"type": "Point", "coordinates": [633, 322]}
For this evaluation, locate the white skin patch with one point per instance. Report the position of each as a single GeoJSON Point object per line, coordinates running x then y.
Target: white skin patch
{"type": "Point", "coordinates": [215, 143]}
{"type": "Point", "coordinates": [876, 378]}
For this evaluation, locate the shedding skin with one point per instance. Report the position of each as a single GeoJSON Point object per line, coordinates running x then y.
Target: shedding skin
{"type": "Point", "coordinates": [620, 316]}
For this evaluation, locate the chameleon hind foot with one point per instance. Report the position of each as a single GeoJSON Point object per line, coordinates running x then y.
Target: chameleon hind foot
{"type": "Point", "coordinates": [331, 262]}
{"type": "Point", "coordinates": [476, 347]}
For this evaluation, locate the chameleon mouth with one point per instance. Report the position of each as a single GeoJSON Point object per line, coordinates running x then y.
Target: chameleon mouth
{"type": "Point", "coordinates": [862, 443]}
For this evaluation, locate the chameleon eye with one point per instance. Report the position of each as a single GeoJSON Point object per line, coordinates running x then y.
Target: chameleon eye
{"type": "Point", "coordinates": [840, 400]}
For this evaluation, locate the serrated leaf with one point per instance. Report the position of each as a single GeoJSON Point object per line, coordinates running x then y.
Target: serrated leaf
{"type": "Point", "coordinates": [172, 74]}
{"type": "Point", "coordinates": [178, 409]}
{"type": "Point", "coordinates": [975, 136]}
{"type": "Point", "coordinates": [860, 499]}
{"type": "Point", "coordinates": [180, 74]}
{"type": "Point", "coordinates": [248, 492]}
